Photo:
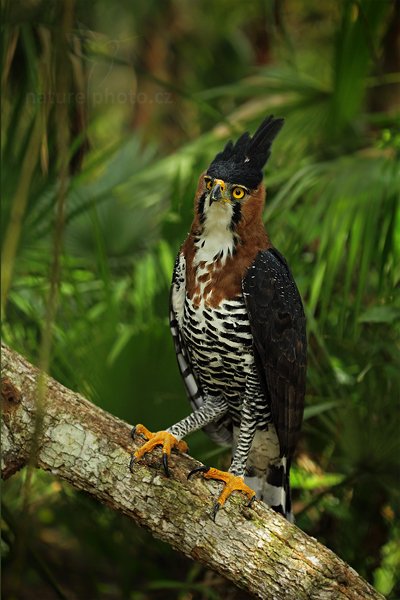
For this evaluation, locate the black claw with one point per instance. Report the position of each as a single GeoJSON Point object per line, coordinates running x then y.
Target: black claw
{"type": "Point", "coordinates": [250, 504]}
{"type": "Point", "coordinates": [165, 463]}
{"type": "Point", "coordinates": [133, 432]}
{"type": "Point", "coordinates": [216, 508]}
{"type": "Point", "coordinates": [201, 469]}
{"type": "Point", "coordinates": [132, 462]}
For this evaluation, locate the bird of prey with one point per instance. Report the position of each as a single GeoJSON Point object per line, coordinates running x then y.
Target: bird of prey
{"type": "Point", "coordinates": [238, 327]}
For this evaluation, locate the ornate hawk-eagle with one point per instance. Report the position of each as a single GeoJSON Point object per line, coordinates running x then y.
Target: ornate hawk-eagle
{"type": "Point", "coordinates": [239, 330]}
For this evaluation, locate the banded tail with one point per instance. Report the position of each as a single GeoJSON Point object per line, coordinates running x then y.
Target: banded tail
{"type": "Point", "coordinates": [273, 487]}
{"type": "Point", "coordinates": [267, 473]}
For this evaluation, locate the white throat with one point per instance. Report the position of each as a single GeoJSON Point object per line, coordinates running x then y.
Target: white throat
{"type": "Point", "coordinates": [217, 241]}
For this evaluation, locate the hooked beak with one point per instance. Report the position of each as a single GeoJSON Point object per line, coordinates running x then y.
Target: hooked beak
{"type": "Point", "coordinates": [217, 191]}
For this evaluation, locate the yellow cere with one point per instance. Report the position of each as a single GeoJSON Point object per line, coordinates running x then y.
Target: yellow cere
{"type": "Point", "coordinates": [220, 183]}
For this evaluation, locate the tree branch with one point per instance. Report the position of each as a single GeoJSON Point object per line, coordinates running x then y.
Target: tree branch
{"type": "Point", "coordinates": [255, 548]}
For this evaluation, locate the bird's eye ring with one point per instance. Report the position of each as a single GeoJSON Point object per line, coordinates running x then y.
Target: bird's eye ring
{"type": "Point", "coordinates": [237, 193]}
{"type": "Point", "coordinates": [208, 181]}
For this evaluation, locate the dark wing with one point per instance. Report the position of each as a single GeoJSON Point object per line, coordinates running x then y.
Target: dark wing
{"type": "Point", "coordinates": [278, 327]}
{"type": "Point", "coordinates": [220, 431]}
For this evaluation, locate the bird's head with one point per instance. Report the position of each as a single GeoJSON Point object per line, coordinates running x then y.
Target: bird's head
{"type": "Point", "coordinates": [234, 176]}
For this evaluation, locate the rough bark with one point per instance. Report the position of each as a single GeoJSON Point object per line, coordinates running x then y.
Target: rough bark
{"type": "Point", "coordinates": [255, 548]}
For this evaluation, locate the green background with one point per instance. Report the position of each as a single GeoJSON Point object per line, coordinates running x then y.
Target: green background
{"type": "Point", "coordinates": [110, 112]}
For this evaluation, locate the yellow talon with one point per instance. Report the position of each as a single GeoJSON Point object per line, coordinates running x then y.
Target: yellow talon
{"type": "Point", "coordinates": [232, 483]}
{"type": "Point", "coordinates": [141, 429]}
{"type": "Point", "coordinates": [160, 438]}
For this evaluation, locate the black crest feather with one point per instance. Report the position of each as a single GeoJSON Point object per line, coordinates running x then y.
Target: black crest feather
{"type": "Point", "coordinates": [243, 162]}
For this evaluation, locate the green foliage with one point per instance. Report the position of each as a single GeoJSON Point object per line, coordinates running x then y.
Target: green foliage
{"type": "Point", "coordinates": [332, 209]}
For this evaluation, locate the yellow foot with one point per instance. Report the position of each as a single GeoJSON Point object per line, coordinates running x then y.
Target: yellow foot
{"type": "Point", "coordinates": [160, 438]}
{"type": "Point", "coordinates": [232, 483]}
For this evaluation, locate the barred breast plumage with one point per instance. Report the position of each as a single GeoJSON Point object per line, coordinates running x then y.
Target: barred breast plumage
{"type": "Point", "coordinates": [220, 345]}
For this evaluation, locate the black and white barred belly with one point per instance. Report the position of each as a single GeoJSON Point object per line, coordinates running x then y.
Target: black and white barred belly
{"type": "Point", "coordinates": [220, 347]}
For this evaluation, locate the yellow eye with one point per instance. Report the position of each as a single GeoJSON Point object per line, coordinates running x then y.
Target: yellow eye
{"type": "Point", "coordinates": [237, 193]}
{"type": "Point", "coordinates": [208, 183]}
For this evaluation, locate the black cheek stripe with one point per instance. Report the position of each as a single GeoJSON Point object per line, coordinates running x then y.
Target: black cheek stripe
{"type": "Point", "coordinates": [236, 216]}
{"type": "Point", "coordinates": [200, 207]}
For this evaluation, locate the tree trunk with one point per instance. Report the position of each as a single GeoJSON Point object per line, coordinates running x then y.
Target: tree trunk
{"type": "Point", "coordinates": [253, 547]}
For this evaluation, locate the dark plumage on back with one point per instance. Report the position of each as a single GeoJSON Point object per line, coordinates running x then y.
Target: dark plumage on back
{"type": "Point", "coordinates": [243, 162]}
{"type": "Point", "coordinates": [278, 326]}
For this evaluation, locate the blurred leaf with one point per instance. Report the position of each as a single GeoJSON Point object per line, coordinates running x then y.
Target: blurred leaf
{"type": "Point", "coordinates": [380, 314]}
{"type": "Point", "coordinates": [317, 409]}
{"type": "Point", "coordinates": [307, 481]}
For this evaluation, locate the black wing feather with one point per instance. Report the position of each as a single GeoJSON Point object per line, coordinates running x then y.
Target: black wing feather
{"type": "Point", "coordinates": [279, 332]}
